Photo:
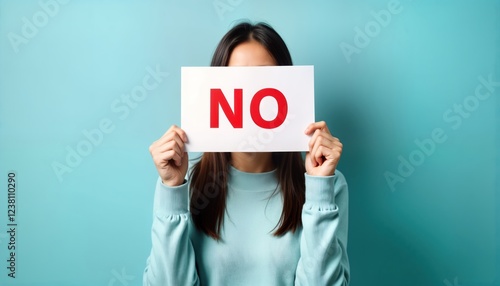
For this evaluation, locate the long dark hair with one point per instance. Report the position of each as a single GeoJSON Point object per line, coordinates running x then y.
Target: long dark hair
{"type": "Point", "coordinates": [209, 176]}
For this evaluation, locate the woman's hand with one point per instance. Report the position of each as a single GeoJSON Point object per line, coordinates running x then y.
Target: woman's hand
{"type": "Point", "coordinates": [169, 157]}
{"type": "Point", "coordinates": [324, 150]}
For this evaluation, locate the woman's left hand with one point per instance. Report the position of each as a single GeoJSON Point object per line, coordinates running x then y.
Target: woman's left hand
{"type": "Point", "coordinates": [324, 150]}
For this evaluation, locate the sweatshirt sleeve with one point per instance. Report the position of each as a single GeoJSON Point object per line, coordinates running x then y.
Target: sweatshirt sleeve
{"type": "Point", "coordinates": [172, 257]}
{"type": "Point", "coordinates": [323, 257]}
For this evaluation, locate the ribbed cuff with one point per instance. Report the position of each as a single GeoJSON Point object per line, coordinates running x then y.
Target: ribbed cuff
{"type": "Point", "coordinates": [320, 191]}
{"type": "Point", "coordinates": [170, 200]}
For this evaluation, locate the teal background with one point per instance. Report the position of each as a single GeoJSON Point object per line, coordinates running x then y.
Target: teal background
{"type": "Point", "coordinates": [438, 227]}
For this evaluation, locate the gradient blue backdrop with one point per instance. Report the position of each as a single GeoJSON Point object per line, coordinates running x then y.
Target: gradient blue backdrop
{"type": "Point", "coordinates": [91, 225]}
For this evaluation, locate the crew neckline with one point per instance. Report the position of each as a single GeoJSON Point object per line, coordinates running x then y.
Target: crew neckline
{"type": "Point", "coordinates": [252, 182]}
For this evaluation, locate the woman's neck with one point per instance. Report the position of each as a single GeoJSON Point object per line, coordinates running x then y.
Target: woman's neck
{"type": "Point", "coordinates": [258, 162]}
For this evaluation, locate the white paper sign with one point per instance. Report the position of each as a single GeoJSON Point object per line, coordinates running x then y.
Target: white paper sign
{"type": "Point", "coordinates": [247, 109]}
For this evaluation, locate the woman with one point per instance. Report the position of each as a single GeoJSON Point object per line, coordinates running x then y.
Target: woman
{"type": "Point", "coordinates": [253, 218]}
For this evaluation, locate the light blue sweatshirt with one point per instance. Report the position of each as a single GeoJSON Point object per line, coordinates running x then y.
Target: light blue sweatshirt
{"type": "Point", "coordinates": [249, 254]}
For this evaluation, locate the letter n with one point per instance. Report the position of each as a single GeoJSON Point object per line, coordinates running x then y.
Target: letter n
{"type": "Point", "coordinates": [217, 99]}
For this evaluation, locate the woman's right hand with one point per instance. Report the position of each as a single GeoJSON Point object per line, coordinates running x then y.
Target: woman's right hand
{"type": "Point", "coordinates": [169, 157]}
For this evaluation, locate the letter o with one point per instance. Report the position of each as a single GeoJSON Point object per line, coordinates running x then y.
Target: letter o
{"type": "Point", "coordinates": [37, 16]}
{"type": "Point", "coordinates": [84, 148]}
{"type": "Point", "coordinates": [269, 136]}
{"type": "Point", "coordinates": [139, 93]}
{"type": "Point", "coordinates": [415, 161]}
{"type": "Point", "coordinates": [310, 263]}
{"type": "Point", "coordinates": [255, 108]}
{"type": "Point", "coordinates": [471, 99]}
{"type": "Point", "coordinates": [210, 190]}
{"type": "Point", "coordinates": [204, 202]}
{"type": "Point", "coordinates": [372, 32]}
